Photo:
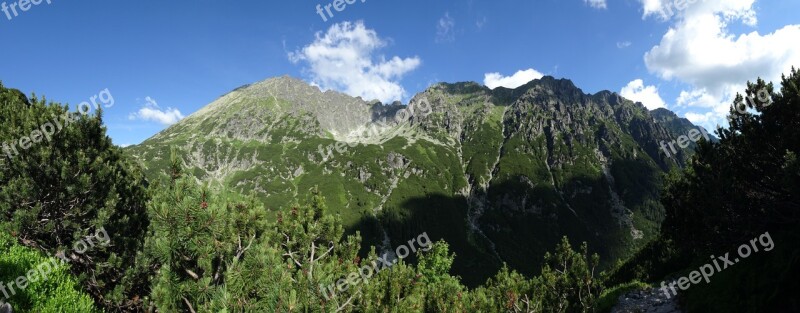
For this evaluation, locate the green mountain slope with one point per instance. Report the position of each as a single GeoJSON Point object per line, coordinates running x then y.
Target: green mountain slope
{"type": "Point", "coordinates": [499, 174]}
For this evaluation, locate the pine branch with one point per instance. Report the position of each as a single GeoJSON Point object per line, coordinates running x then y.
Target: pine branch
{"type": "Point", "coordinates": [191, 309]}
{"type": "Point", "coordinates": [342, 307]}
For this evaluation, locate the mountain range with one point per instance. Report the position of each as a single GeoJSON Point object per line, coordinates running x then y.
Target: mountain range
{"type": "Point", "coordinates": [500, 174]}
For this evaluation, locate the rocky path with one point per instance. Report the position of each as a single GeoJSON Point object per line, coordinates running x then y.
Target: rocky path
{"type": "Point", "coordinates": [646, 301]}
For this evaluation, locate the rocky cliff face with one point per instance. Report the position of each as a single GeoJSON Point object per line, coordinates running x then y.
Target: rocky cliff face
{"type": "Point", "coordinates": [679, 127]}
{"type": "Point", "coordinates": [500, 174]}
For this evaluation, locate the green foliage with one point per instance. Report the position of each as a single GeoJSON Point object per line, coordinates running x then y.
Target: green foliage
{"type": "Point", "coordinates": [567, 284]}
{"type": "Point", "coordinates": [610, 296]}
{"type": "Point", "coordinates": [733, 190]}
{"type": "Point", "coordinates": [654, 261]}
{"type": "Point", "coordinates": [215, 252]}
{"type": "Point", "coordinates": [68, 185]}
{"type": "Point", "coordinates": [178, 246]}
{"type": "Point", "coordinates": [569, 278]}
{"type": "Point", "coordinates": [182, 247]}
{"type": "Point", "coordinates": [395, 289]}
{"type": "Point", "coordinates": [210, 255]}
{"type": "Point", "coordinates": [534, 160]}
{"type": "Point", "coordinates": [435, 265]}
{"type": "Point", "coordinates": [194, 238]}
{"type": "Point", "coordinates": [508, 291]}
{"type": "Point", "coordinates": [764, 282]}
{"type": "Point", "coordinates": [743, 186]}
{"type": "Point", "coordinates": [60, 292]}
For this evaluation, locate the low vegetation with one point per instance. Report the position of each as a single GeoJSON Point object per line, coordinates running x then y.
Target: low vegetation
{"type": "Point", "coordinates": [180, 246]}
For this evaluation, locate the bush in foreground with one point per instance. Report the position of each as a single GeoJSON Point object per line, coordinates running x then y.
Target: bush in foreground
{"type": "Point", "coordinates": [60, 292]}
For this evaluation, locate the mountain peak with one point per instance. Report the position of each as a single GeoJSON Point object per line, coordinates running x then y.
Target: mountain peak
{"type": "Point", "coordinates": [546, 151]}
{"type": "Point", "coordinates": [253, 110]}
{"type": "Point", "coordinates": [284, 80]}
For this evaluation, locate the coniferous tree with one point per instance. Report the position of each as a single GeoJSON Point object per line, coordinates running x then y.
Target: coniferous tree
{"type": "Point", "coordinates": [195, 238]}
{"type": "Point", "coordinates": [64, 180]}
{"type": "Point", "coordinates": [748, 182]}
{"type": "Point", "coordinates": [733, 190]}
{"type": "Point", "coordinates": [208, 250]}
{"type": "Point", "coordinates": [213, 252]}
{"type": "Point", "coordinates": [568, 279]}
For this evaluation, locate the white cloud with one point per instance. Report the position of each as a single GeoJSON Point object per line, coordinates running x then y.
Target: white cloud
{"type": "Point", "coordinates": [701, 50]}
{"type": "Point", "coordinates": [623, 44]}
{"type": "Point", "coordinates": [342, 59]}
{"type": "Point", "coordinates": [651, 7]}
{"type": "Point", "coordinates": [697, 98]}
{"type": "Point", "coordinates": [445, 29]}
{"type": "Point", "coordinates": [152, 112]}
{"type": "Point", "coordinates": [168, 117]}
{"type": "Point", "coordinates": [698, 118]}
{"type": "Point", "coordinates": [597, 4]}
{"type": "Point", "coordinates": [494, 80]}
{"type": "Point", "coordinates": [728, 9]}
{"type": "Point", "coordinates": [637, 92]}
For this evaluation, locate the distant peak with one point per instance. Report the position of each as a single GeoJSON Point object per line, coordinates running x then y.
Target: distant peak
{"type": "Point", "coordinates": [460, 87]}
{"type": "Point", "coordinates": [558, 82]}
{"type": "Point", "coordinates": [284, 80]}
{"type": "Point", "coordinates": [605, 93]}
{"type": "Point", "coordinates": [545, 81]}
{"type": "Point", "coordinates": [663, 111]}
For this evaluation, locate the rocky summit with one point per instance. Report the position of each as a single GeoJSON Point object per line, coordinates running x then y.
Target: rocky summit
{"type": "Point", "coordinates": [501, 174]}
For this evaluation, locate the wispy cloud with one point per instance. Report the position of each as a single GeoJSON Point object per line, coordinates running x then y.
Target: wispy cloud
{"type": "Point", "coordinates": [597, 4]}
{"type": "Point", "coordinates": [481, 22]}
{"type": "Point", "coordinates": [445, 31]}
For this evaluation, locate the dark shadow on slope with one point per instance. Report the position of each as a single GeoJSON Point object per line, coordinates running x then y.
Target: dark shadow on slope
{"type": "Point", "coordinates": [523, 223]}
{"type": "Point", "coordinates": [530, 221]}
{"type": "Point", "coordinates": [442, 218]}
{"type": "Point", "coordinates": [371, 233]}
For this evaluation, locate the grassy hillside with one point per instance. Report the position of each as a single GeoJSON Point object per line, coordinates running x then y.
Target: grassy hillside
{"type": "Point", "coordinates": [544, 160]}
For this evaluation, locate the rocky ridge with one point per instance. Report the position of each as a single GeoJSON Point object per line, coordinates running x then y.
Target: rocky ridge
{"type": "Point", "coordinates": [500, 174]}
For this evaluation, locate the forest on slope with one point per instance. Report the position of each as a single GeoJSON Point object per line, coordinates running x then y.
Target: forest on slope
{"type": "Point", "coordinates": [176, 245]}
{"type": "Point", "coordinates": [500, 174]}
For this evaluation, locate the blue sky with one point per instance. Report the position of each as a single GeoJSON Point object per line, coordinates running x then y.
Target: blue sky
{"type": "Point", "coordinates": [163, 60]}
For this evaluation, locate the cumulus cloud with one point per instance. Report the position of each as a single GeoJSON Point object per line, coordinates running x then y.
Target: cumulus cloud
{"type": "Point", "coordinates": [701, 50]}
{"type": "Point", "coordinates": [494, 80]}
{"type": "Point", "coordinates": [597, 4]}
{"type": "Point", "coordinates": [637, 92]}
{"type": "Point", "coordinates": [698, 98]}
{"type": "Point", "coordinates": [152, 112]}
{"type": "Point", "coordinates": [652, 7]}
{"type": "Point", "coordinates": [445, 29]}
{"type": "Point", "coordinates": [343, 59]}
